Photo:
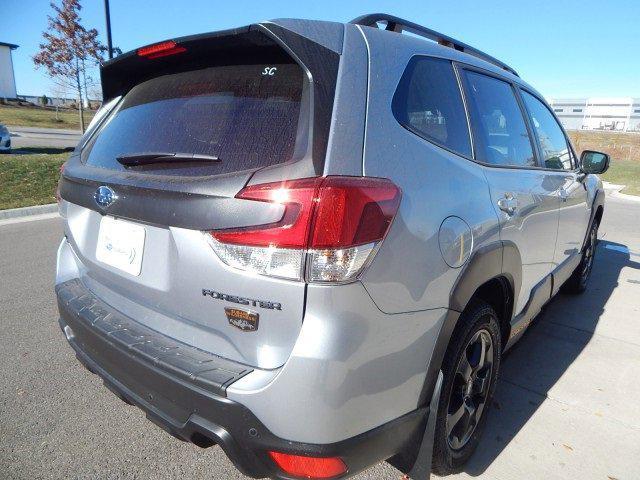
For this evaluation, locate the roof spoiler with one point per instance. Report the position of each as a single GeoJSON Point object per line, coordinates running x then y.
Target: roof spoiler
{"type": "Point", "coordinates": [123, 72]}
{"type": "Point", "coordinates": [399, 25]}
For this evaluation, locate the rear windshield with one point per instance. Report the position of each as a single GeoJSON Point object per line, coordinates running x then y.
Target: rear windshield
{"type": "Point", "coordinates": [246, 115]}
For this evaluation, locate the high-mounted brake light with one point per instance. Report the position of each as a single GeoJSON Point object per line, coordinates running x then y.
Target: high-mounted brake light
{"type": "Point", "coordinates": [162, 49]}
{"type": "Point", "coordinates": [309, 467]}
{"type": "Point", "coordinates": [331, 224]}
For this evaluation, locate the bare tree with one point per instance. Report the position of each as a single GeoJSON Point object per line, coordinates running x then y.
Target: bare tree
{"type": "Point", "coordinates": [61, 92]}
{"type": "Point", "coordinates": [69, 50]}
{"type": "Point", "coordinates": [95, 92]}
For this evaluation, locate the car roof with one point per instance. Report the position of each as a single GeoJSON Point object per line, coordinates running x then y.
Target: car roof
{"type": "Point", "coordinates": [323, 31]}
{"type": "Point", "coordinates": [331, 34]}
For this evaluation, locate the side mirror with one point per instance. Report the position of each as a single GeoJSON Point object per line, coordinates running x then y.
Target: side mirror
{"type": "Point", "coordinates": [594, 162]}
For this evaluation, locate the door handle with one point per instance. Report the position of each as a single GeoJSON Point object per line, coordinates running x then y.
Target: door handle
{"type": "Point", "coordinates": [508, 204]}
{"type": "Point", "coordinates": [563, 194]}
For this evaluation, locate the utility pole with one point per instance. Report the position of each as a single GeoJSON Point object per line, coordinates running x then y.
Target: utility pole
{"type": "Point", "coordinates": [108, 15]}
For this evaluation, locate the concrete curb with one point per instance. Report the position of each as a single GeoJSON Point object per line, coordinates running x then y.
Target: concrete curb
{"type": "Point", "coordinates": [624, 196]}
{"type": "Point", "coordinates": [613, 190]}
{"type": "Point", "coordinates": [612, 187]}
{"type": "Point", "coordinates": [58, 131]}
{"type": "Point", "coordinates": [28, 211]}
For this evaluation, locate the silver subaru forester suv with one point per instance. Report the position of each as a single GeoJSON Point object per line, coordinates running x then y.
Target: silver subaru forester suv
{"type": "Point", "coordinates": [311, 242]}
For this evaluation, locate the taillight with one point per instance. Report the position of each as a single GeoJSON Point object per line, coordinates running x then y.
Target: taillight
{"type": "Point", "coordinates": [162, 49]}
{"type": "Point", "coordinates": [309, 467]}
{"type": "Point", "coordinates": [331, 225]}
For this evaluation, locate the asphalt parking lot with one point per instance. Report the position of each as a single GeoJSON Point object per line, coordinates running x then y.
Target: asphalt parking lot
{"type": "Point", "coordinates": [567, 403]}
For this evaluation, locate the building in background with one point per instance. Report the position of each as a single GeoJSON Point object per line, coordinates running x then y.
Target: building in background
{"type": "Point", "coordinates": [7, 77]}
{"type": "Point", "coordinates": [598, 113]}
{"type": "Point", "coordinates": [65, 102]}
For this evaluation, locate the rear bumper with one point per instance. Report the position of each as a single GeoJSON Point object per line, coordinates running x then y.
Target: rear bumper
{"type": "Point", "coordinates": [185, 393]}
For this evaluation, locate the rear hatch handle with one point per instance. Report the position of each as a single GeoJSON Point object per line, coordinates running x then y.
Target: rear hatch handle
{"type": "Point", "coordinates": [148, 158]}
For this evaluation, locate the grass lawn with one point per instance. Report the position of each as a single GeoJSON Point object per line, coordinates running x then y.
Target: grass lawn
{"type": "Point", "coordinates": [624, 149]}
{"type": "Point", "coordinates": [42, 117]}
{"type": "Point", "coordinates": [624, 172]}
{"type": "Point", "coordinates": [30, 176]}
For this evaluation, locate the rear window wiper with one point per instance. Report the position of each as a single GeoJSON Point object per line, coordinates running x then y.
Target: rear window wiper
{"type": "Point", "coordinates": [148, 158]}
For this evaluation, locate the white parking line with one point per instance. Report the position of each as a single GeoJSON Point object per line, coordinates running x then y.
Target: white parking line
{"type": "Point", "coordinates": [29, 218]}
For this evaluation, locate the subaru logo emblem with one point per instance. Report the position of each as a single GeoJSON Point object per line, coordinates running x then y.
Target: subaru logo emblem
{"type": "Point", "coordinates": [104, 196]}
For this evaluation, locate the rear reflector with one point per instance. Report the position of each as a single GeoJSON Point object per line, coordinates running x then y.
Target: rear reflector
{"type": "Point", "coordinates": [161, 50]}
{"type": "Point", "coordinates": [309, 467]}
{"type": "Point", "coordinates": [334, 223]}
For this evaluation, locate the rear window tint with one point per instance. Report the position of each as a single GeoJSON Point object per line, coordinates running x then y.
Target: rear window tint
{"type": "Point", "coordinates": [428, 102]}
{"type": "Point", "coordinates": [246, 115]}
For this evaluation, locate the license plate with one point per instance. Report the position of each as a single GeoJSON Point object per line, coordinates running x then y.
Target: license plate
{"type": "Point", "coordinates": [121, 245]}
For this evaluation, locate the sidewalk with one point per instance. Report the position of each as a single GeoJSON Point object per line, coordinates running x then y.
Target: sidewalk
{"type": "Point", "coordinates": [613, 190]}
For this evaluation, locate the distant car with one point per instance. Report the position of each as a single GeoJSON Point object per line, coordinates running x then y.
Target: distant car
{"type": "Point", "coordinates": [5, 140]}
{"type": "Point", "coordinates": [310, 242]}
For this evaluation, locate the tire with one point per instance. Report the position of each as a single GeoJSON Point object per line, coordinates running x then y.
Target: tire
{"type": "Point", "coordinates": [453, 443]}
{"type": "Point", "coordinates": [579, 279]}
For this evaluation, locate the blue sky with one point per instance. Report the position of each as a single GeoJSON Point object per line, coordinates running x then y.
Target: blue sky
{"type": "Point", "coordinates": [563, 48]}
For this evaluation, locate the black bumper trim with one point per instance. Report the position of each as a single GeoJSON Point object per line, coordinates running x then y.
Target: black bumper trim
{"type": "Point", "coordinates": [203, 369]}
{"type": "Point", "coordinates": [190, 412]}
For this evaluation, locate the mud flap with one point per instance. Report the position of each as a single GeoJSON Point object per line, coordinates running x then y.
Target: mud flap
{"type": "Point", "coordinates": [421, 469]}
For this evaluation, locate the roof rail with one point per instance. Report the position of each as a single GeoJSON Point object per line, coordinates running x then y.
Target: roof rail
{"type": "Point", "coordinates": [399, 25]}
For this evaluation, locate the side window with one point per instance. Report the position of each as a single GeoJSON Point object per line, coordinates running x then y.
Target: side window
{"type": "Point", "coordinates": [553, 144]}
{"type": "Point", "coordinates": [428, 103]}
{"type": "Point", "coordinates": [500, 132]}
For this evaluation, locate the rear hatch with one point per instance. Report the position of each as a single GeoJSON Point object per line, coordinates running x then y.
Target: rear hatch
{"type": "Point", "coordinates": [190, 123]}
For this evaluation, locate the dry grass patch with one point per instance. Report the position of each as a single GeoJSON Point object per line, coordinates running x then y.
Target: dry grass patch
{"type": "Point", "coordinates": [21, 116]}
{"type": "Point", "coordinates": [624, 149]}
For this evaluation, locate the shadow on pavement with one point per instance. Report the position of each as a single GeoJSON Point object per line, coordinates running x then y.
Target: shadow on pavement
{"type": "Point", "coordinates": [537, 365]}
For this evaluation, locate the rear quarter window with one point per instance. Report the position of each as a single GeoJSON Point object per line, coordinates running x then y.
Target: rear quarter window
{"type": "Point", "coordinates": [428, 102]}
{"type": "Point", "coordinates": [247, 115]}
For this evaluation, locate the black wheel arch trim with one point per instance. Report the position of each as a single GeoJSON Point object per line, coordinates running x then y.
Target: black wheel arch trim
{"type": "Point", "coordinates": [497, 259]}
{"type": "Point", "coordinates": [500, 259]}
{"type": "Point", "coordinates": [598, 202]}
